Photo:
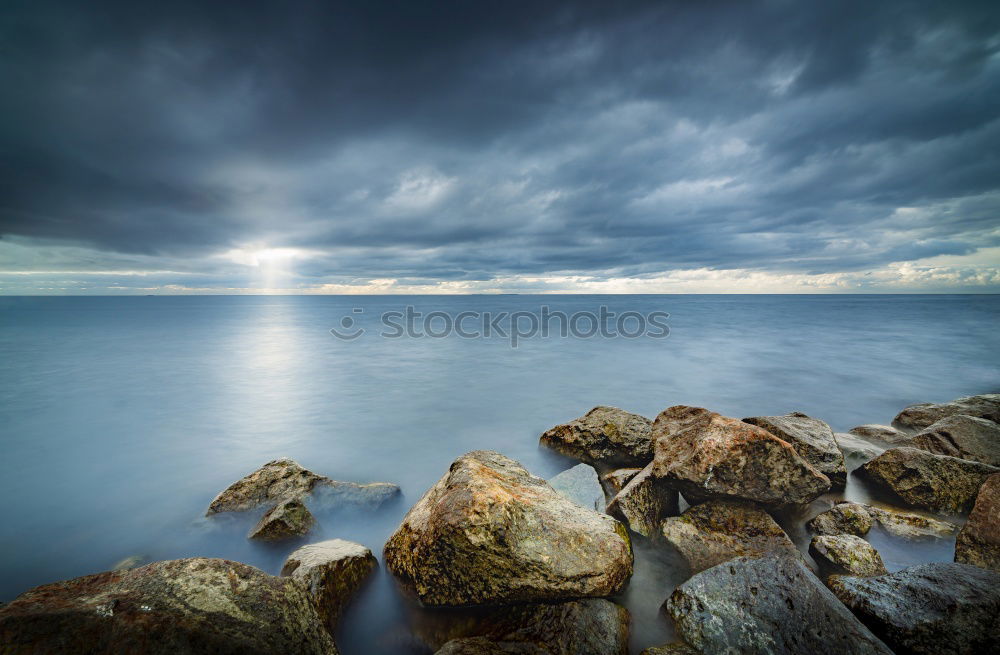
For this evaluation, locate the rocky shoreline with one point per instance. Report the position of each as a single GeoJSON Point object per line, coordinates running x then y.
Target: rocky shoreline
{"type": "Point", "coordinates": [518, 564]}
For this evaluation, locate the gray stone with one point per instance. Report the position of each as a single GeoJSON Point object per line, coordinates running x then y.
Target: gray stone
{"type": "Point", "coordinates": [930, 608]}
{"type": "Point", "coordinates": [811, 438]}
{"type": "Point", "coordinates": [332, 571]}
{"type": "Point", "coordinates": [179, 607]}
{"type": "Point", "coordinates": [644, 502]}
{"type": "Point", "coordinates": [917, 417]}
{"type": "Point", "coordinates": [489, 532]}
{"type": "Point", "coordinates": [704, 455]}
{"type": "Point", "coordinates": [965, 437]}
{"type": "Point", "coordinates": [884, 433]}
{"type": "Point", "coordinates": [605, 437]}
{"type": "Point", "coordinates": [334, 494]}
{"type": "Point", "coordinates": [771, 605]}
{"type": "Point", "coordinates": [923, 479]}
{"type": "Point", "coordinates": [846, 554]}
{"type": "Point", "coordinates": [581, 485]}
{"type": "Point", "coordinates": [289, 518]}
{"type": "Point", "coordinates": [979, 541]}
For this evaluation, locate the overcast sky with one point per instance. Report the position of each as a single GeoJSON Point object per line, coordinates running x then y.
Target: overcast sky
{"type": "Point", "coordinates": [394, 147]}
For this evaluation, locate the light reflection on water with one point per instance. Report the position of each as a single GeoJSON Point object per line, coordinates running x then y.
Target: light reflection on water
{"type": "Point", "coordinates": [121, 418]}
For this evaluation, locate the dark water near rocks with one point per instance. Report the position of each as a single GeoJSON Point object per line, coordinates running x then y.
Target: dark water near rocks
{"type": "Point", "coordinates": [121, 418]}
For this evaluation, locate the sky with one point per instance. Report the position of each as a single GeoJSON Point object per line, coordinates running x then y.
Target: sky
{"type": "Point", "coordinates": [482, 147]}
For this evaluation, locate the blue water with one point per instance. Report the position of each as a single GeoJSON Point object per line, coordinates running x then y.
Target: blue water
{"type": "Point", "coordinates": [121, 418]}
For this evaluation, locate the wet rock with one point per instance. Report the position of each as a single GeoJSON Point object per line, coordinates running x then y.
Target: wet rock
{"type": "Point", "coordinates": [644, 502]}
{"type": "Point", "coordinates": [178, 607]}
{"type": "Point", "coordinates": [489, 532]}
{"type": "Point", "coordinates": [353, 495]}
{"type": "Point", "coordinates": [917, 417]}
{"type": "Point", "coordinates": [582, 627]}
{"type": "Point", "coordinates": [811, 438]}
{"type": "Point", "coordinates": [979, 541]}
{"type": "Point", "coordinates": [605, 437]}
{"type": "Point", "coordinates": [720, 530]}
{"type": "Point", "coordinates": [885, 433]}
{"type": "Point", "coordinates": [931, 608]}
{"type": "Point", "coordinates": [676, 648]}
{"type": "Point", "coordinates": [283, 479]}
{"type": "Point", "coordinates": [961, 436]}
{"type": "Point", "coordinates": [768, 605]}
{"type": "Point", "coordinates": [704, 455]}
{"type": "Point", "coordinates": [923, 479]}
{"type": "Point", "coordinates": [617, 479]}
{"type": "Point", "coordinates": [581, 485]}
{"type": "Point", "coordinates": [287, 519]}
{"type": "Point", "coordinates": [843, 518]}
{"type": "Point", "coordinates": [332, 571]}
{"type": "Point", "coordinates": [471, 646]}
{"type": "Point", "coordinates": [846, 554]}
{"type": "Point", "coordinates": [857, 450]}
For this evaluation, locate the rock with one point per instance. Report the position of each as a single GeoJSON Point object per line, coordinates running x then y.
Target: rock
{"type": "Point", "coordinates": [644, 502]}
{"type": "Point", "coordinates": [187, 606]}
{"type": "Point", "coordinates": [284, 479]}
{"type": "Point", "coordinates": [471, 646]}
{"type": "Point", "coordinates": [720, 530]}
{"type": "Point", "coordinates": [885, 433]}
{"type": "Point", "coordinates": [130, 562]}
{"type": "Point", "coordinates": [917, 417]}
{"type": "Point", "coordinates": [582, 627]}
{"type": "Point", "coordinates": [843, 518]}
{"type": "Point", "coordinates": [676, 648]}
{"type": "Point", "coordinates": [287, 519]}
{"type": "Point", "coordinates": [332, 571]}
{"type": "Point", "coordinates": [923, 479]}
{"type": "Point", "coordinates": [770, 605]}
{"type": "Point", "coordinates": [352, 495]}
{"type": "Point", "coordinates": [979, 541]}
{"type": "Point", "coordinates": [857, 450]}
{"type": "Point", "coordinates": [811, 438]}
{"type": "Point", "coordinates": [846, 554]}
{"type": "Point", "coordinates": [489, 532]}
{"type": "Point", "coordinates": [617, 479]}
{"type": "Point", "coordinates": [931, 608]}
{"type": "Point", "coordinates": [704, 455]}
{"type": "Point", "coordinates": [581, 485]}
{"type": "Point", "coordinates": [961, 436]}
{"type": "Point", "coordinates": [605, 437]}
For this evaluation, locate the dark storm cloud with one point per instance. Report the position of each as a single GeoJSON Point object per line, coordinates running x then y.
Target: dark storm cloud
{"type": "Point", "coordinates": [467, 140]}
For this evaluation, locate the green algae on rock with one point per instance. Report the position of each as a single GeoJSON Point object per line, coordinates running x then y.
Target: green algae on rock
{"type": "Point", "coordinates": [604, 437]}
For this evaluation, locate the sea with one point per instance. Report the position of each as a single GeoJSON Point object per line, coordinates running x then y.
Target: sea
{"type": "Point", "coordinates": [122, 417]}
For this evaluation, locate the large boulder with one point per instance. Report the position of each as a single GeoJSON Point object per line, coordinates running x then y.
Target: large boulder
{"type": "Point", "coordinates": [930, 608]}
{"type": "Point", "coordinates": [644, 502]}
{"type": "Point", "coordinates": [332, 571]}
{"type": "Point", "coordinates": [885, 433]}
{"type": "Point", "coordinates": [979, 541]}
{"type": "Point", "coordinates": [933, 482]}
{"type": "Point", "coordinates": [284, 479]}
{"type": "Point", "coordinates": [846, 554]}
{"type": "Point", "coordinates": [489, 532]}
{"type": "Point", "coordinates": [582, 485]}
{"type": "Point", "coordinates": [857, 519]}
{"type": "Point", "coordinates": [187, 606]}
{"type": "Point", "coordinates": [289, 518]}
{"type": "Point", "coordinates": [771, 605]}
{"type": "Point", "coordinates": [961, 436]}
{"type": "Point", "coordinates": [811, 438]}
{"type": "Point", "coordinates": [704, 455]}
{"type": "Point", "coordinates": [917, 417]}
{"type": "Point", "coordinates": [720, 530]}
{"type": "Point", "coordinates": [605, 437]}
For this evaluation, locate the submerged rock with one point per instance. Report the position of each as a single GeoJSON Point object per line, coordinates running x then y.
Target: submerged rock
{"type": "Point", "coordinates": [332, 571]}
{"type": "Point", "coordinates": [961, 436]}
{"type": "Point", "coordinates": [885, 433]}
{"type": "Point", "coordinates": [857, 519]}
{"type": "Point", "coordinates": [581, 485]}
{"type": "Point", "coordinates": [130, 562]}
{"type": "Point", "coordinates": [604, 437]}
{"type": "Point", "coordinates": [811, 438]}
{"type": "Point", "coordinates": [979, 541]}
{"type": "Point", "coordinates": [189, 606]}
{"type": "Point", "coordinates": [704, 455]}
{"type": "Point", "coordinates": [857, 450]}
{"type": "Point", "coordinates": [489, 532]}
{"type": "Point", "coordinates": [931, 608]}
{"type": "Point", "coordinates": [720, 530]}
{"type": "Point", "coordinates": [770, 605]}
{"type": "Point", "coordinates": [846, 554]}
{"type": "Point", "coordinates": [923, 479]}
{"type": "Point", "coordinates": [917, 417]}
{"type": "Point", "coordinates": [644, 502]}
{"type": "Point", "coordinates": [353, 495]}
{"type": "Point", "coordinates": [287, 519]}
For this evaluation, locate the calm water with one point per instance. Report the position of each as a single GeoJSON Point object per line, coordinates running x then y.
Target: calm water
{"type": "Point", "coordinates": [121, 418]}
